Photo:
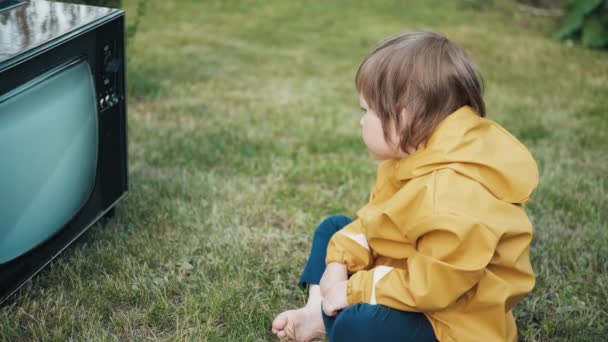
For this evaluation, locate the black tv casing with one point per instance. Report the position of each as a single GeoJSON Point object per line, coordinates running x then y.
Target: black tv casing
{"type": "Point", "coordinates": [95, 34]}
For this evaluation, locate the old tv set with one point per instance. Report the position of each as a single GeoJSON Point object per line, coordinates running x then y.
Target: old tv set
{"type": "Point", "coordinates": [63, 133]}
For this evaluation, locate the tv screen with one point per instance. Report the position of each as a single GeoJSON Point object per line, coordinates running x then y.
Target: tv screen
{"type": "Point", "coordinates": [48, 144]}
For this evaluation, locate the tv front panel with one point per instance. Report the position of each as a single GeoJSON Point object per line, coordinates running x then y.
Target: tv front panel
{"type": "Point", "coordinates": [48, 144]}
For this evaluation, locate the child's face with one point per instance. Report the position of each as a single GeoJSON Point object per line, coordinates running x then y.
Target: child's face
{"type": "Point", "coordinates": [373, 135]}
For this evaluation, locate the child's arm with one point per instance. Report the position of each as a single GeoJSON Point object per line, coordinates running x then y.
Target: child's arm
{"type": "Point", "coordinates": [349, 247]}
{"type": "Point", "coordinates": [334, 273]}
{"type": "Point", "coordinates": [335, 298]}
{"type": "Point", "coordinates": [450, 259]}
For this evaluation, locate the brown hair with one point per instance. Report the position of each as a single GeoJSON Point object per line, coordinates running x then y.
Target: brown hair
{"type": "Point", "coordinates": [422, 74]}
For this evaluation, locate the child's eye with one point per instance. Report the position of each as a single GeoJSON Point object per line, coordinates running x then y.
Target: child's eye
{"type": "Point", "coordinates": [363, 110]}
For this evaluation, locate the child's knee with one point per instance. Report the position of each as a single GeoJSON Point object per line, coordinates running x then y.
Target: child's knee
{"type": "Point", "coordinates": [332, 224]}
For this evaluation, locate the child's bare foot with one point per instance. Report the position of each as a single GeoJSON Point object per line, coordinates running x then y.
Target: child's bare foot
{"type": "Point", "coordinates": [299, 325]}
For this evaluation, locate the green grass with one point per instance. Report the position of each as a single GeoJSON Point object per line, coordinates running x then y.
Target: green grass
{"type": "Point", "coordinates": [244, 134]}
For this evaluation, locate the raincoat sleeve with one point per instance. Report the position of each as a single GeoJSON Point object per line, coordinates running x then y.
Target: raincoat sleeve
{"type": "Point", "coordinates": [349, 246]}
{"type": "Point", "coordinates": [450, 256]}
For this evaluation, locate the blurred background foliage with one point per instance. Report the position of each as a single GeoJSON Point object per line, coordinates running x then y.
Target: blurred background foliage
{"type": "Point", "coordinates": [587, 21]}
{"type": "Point", "coordinates": [581, 20]}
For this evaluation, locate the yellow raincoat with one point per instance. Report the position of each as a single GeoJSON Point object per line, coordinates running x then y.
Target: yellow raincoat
{"type": "Point", "coordinates": [445, 232]}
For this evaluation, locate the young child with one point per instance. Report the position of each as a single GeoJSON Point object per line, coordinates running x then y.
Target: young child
{"type": "Point", "coordinates": [441, 250]}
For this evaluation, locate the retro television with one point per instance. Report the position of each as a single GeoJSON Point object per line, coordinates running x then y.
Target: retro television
{"type": "Point", "coordinates": [63, 133]}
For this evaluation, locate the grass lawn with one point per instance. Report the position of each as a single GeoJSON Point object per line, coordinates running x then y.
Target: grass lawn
{"type": "Point", "coordinates": [244, 134]}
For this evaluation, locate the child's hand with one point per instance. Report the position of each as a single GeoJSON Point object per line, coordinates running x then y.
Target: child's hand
{"type": "Point", "coordinates": [335, 299]}
{"type": "Point", "coordinates": [334, 273]}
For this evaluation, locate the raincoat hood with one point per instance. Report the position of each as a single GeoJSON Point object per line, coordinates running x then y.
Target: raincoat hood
{"type": "Point", "coordinates": [479, 149]}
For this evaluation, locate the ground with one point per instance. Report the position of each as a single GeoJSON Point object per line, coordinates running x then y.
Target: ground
{"type": "Point", "coordinates": [244, 134]}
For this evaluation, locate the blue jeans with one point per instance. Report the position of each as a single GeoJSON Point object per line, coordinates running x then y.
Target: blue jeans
{"type": "Point", "coordinates": [362, 321]}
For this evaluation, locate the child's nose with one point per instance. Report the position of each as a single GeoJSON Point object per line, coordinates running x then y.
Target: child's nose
{"type": "Point", "coordinates": [361, 121]}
